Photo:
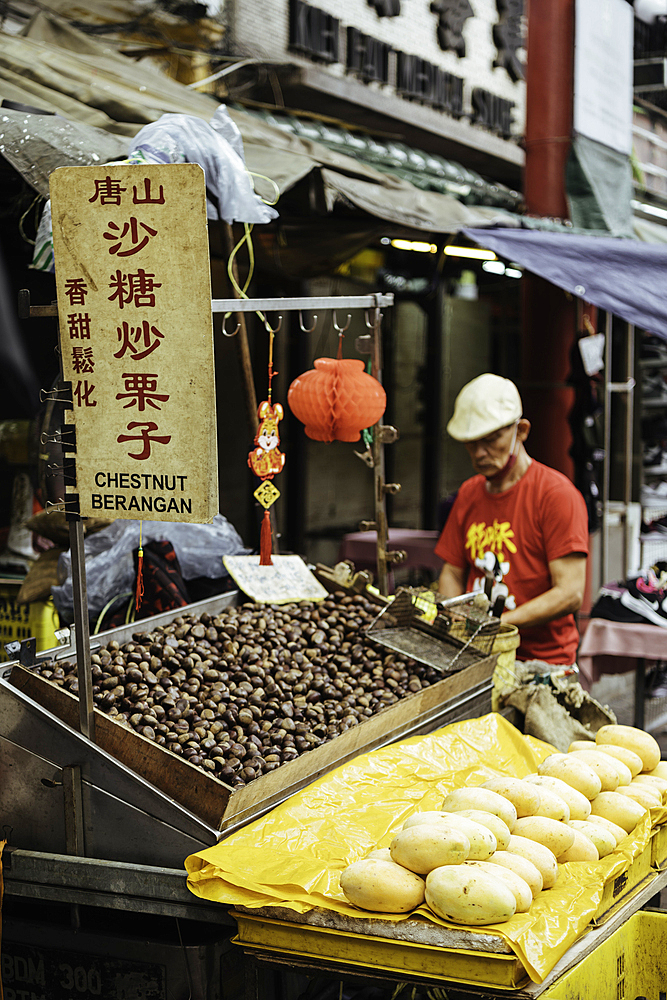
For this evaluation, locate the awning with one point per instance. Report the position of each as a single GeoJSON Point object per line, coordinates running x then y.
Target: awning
{"type": "Point", "coordinates": [365, 185]}
{"type": "Point", "coordinates": [621, 276]}
{"type": "Point", "coordinates": [107, 97]}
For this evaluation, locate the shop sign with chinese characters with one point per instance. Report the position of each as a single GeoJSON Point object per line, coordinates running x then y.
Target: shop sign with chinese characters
{"type": "Point", "coordinates": [136, 338]}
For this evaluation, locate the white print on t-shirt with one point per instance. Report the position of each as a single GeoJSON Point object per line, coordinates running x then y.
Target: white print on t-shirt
{"type": "Point", "coordinates": [494, 568]}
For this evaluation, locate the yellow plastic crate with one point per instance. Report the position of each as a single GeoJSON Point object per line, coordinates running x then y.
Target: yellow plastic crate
{"type": "Point", "coordinates": [262, 935]}
{"type": "Point", "coordinates": [631, 963]}
{"type": "Point", "coordinates": [618, 890]}
{"type": "Point", "coordinates": [39, 619]}
{"type": "Point", "coordinates": [659, 848]}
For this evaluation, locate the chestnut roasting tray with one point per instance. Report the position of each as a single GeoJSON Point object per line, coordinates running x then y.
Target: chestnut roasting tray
{"type": "Point", "coordinates": [461, 695]}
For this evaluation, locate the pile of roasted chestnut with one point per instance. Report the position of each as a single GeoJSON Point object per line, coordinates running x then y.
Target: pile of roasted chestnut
{"type": "Point", "coordinates": [252, 687]}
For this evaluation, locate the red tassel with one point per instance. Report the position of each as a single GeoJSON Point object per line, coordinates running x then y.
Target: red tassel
{"type": "Point", "coordinates": [140, 579]}
{"type": "Point", "coordinates": [265, 541]}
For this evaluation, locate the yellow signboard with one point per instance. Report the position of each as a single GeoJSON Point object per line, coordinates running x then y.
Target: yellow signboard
{"type": "Point", "coordinates": [136, 338]}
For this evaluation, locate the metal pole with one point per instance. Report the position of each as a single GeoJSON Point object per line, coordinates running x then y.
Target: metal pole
{"type": "Point", "coordinates": [606, 472]}
{"type": "Point", "coordinates": [82, 630]}
{"type": "Point", "coordinates": [306, 303]}
{"type": "Point", "coordinates": [629, 427]}
{"type": "Point", "coordinates": [382, 533]}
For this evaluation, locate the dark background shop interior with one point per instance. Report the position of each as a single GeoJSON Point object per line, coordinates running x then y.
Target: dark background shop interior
{"type": "Point", "coordinates": [445, 297]}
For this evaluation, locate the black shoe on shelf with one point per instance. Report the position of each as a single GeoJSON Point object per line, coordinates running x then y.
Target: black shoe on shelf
{"type": "Point", "coordinates": [646, 595]}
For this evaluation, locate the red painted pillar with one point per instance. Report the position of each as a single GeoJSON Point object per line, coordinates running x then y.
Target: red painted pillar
{"type": "Point", "coordinates": [548, 317]}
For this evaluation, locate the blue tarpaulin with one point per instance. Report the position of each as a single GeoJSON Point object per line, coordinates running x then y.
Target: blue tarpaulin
{"type": "Point", "coordinates": [623, 276]}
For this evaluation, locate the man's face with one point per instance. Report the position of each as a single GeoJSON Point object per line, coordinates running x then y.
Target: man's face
{"type": "Point", "coordinates": [490, 454]}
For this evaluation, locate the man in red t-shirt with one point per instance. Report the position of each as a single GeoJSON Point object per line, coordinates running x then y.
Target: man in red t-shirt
{"type": "Point", "coordinates": [518, 521]}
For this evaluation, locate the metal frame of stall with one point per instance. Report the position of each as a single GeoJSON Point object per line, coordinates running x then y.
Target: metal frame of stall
{"type": "Point", "coordinates": [382, 434]}
{"type": "Point", "coordinates": [625, 390]}
{"type": "Point", "coordinates": [27, 873]}
{"type": "Point", "coordinates": [76, 880]}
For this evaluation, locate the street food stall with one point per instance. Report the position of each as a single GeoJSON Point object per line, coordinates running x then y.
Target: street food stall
{"type": "Point", "coordinates": [221, 766]}
{"type": "Point", "coordinates": [126, 751]}
{"type": "Point", "coordinates": [124, 825]}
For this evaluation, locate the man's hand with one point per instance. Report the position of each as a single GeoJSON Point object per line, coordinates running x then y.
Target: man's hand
{"type": "Point", "coordinates": [452, 581]}
{"type": "Point", "coordinates": [568, 578]}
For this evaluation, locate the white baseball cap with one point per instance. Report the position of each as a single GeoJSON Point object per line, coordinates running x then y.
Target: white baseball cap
{"type": "Point", "coordinates": [483, 406]}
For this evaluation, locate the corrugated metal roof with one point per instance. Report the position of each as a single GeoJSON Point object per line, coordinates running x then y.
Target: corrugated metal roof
{"type": "Point", "coordinates": [426, 171]}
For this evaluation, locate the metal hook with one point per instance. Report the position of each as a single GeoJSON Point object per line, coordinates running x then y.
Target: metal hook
{"type": "Point", "coordinates": [58, 505]}
{"type": "Point", "coordinates": [224, 320]}
{"type": "Point", "coordinates": [305, 328]}
{"type": "Point", "coordinates": [341, 329]}
{"type": "Point", "coordinates": [371, 326]}
{"type": "Point", "coordinates": [269, 328]}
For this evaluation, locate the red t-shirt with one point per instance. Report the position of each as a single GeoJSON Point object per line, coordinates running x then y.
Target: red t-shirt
{"type": "Point", "coordinates": [541, 518]}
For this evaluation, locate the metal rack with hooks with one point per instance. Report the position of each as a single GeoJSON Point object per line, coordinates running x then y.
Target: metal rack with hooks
{"type": "Point", "coordinates": [383, 434]}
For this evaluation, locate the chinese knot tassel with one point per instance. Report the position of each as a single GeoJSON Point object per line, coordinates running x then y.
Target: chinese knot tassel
{"type": "Point", "coordinates": [140, 578]}
{"type": "Point", "coordinates": [265, 541]}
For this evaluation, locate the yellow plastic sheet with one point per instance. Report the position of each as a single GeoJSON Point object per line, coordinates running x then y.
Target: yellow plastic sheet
{"type": "Point", "coordinates": [293, 856]}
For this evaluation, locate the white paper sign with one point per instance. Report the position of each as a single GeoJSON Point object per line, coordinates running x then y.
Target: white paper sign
{"type": "Point", "coordinates": [286, 581]}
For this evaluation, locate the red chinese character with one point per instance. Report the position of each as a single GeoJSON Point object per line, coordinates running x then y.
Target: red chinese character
{"type": "Point", "coordinates": [82, 391]}
{"type": "Point", "coordinates": [76, 290]}
{"type": "Point", "coordinates": [144, 436]}
{"type": "Point", "coordinates": [141, 333]}
{"type": "Point", "coordinates": [140, 389]}
{"type": "Point", "coordinates": [108, 191]}
{"type": "Point", "coordinates": [82, 360]}
{"type": "Point", "coordinates": [117, 235]}
{"type": "Point", "coordinates": [147, 199]}
{"type": "Point", "coordinates": [78, 325]}
{"type": "Point", "coordinates": [137, 288]}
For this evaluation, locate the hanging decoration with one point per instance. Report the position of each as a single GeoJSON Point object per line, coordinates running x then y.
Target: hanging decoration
{"type": "Point", "coordinates": [139, 589]}
{"type": "Point", "coordinates": [266, 460]}
{"type": "Point", "coordinates": [337, 399]}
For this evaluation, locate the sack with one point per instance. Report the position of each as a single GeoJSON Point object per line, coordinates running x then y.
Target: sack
{"type": "Point", "coordinates": [558, 712]}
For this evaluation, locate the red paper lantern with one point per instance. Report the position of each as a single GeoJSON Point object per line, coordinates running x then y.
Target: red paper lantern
{"type": "Point", "coordinates": [337, 399]}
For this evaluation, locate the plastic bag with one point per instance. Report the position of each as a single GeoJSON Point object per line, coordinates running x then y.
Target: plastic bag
{"type": "Point", "coordinates": [217, 146]}
{"type": "Point", "coordinates": [110, 565]}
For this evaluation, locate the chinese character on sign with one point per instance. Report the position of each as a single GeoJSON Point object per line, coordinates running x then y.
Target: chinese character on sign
{"type": "Point", "coordinates": [107, 191]}
{"type": "Point", "coordinates": [149, 336]}
{"type": "Point", "coordinates": [452, 15]}
{"type": "Point", "coordinates": [148, 199]}
{"type": "Point", "coordinates": [82, 360]}
{"type": "Point", "coordinates": [386, 8]}
{"type": "Point", "coordinates": [144, 436]}
{"type": "Point", "coordinates": [83, 391]}
{"type": "Point", "coordinates": [508, 37]}
{"type": "Point", "coordinates": [116, 235]}
{"type": "Point", "coordinates": [78, 325]}
{"type": "Point", "coordinates": [76, 290]}
{"type": "Point", "coordinates": [137, 289]}
{"type": "Point", "coordinates": [140, 389]}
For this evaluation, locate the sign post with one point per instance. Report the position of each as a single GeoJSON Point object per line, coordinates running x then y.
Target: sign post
{"type": "Point", "coordinates": [136, 341]}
